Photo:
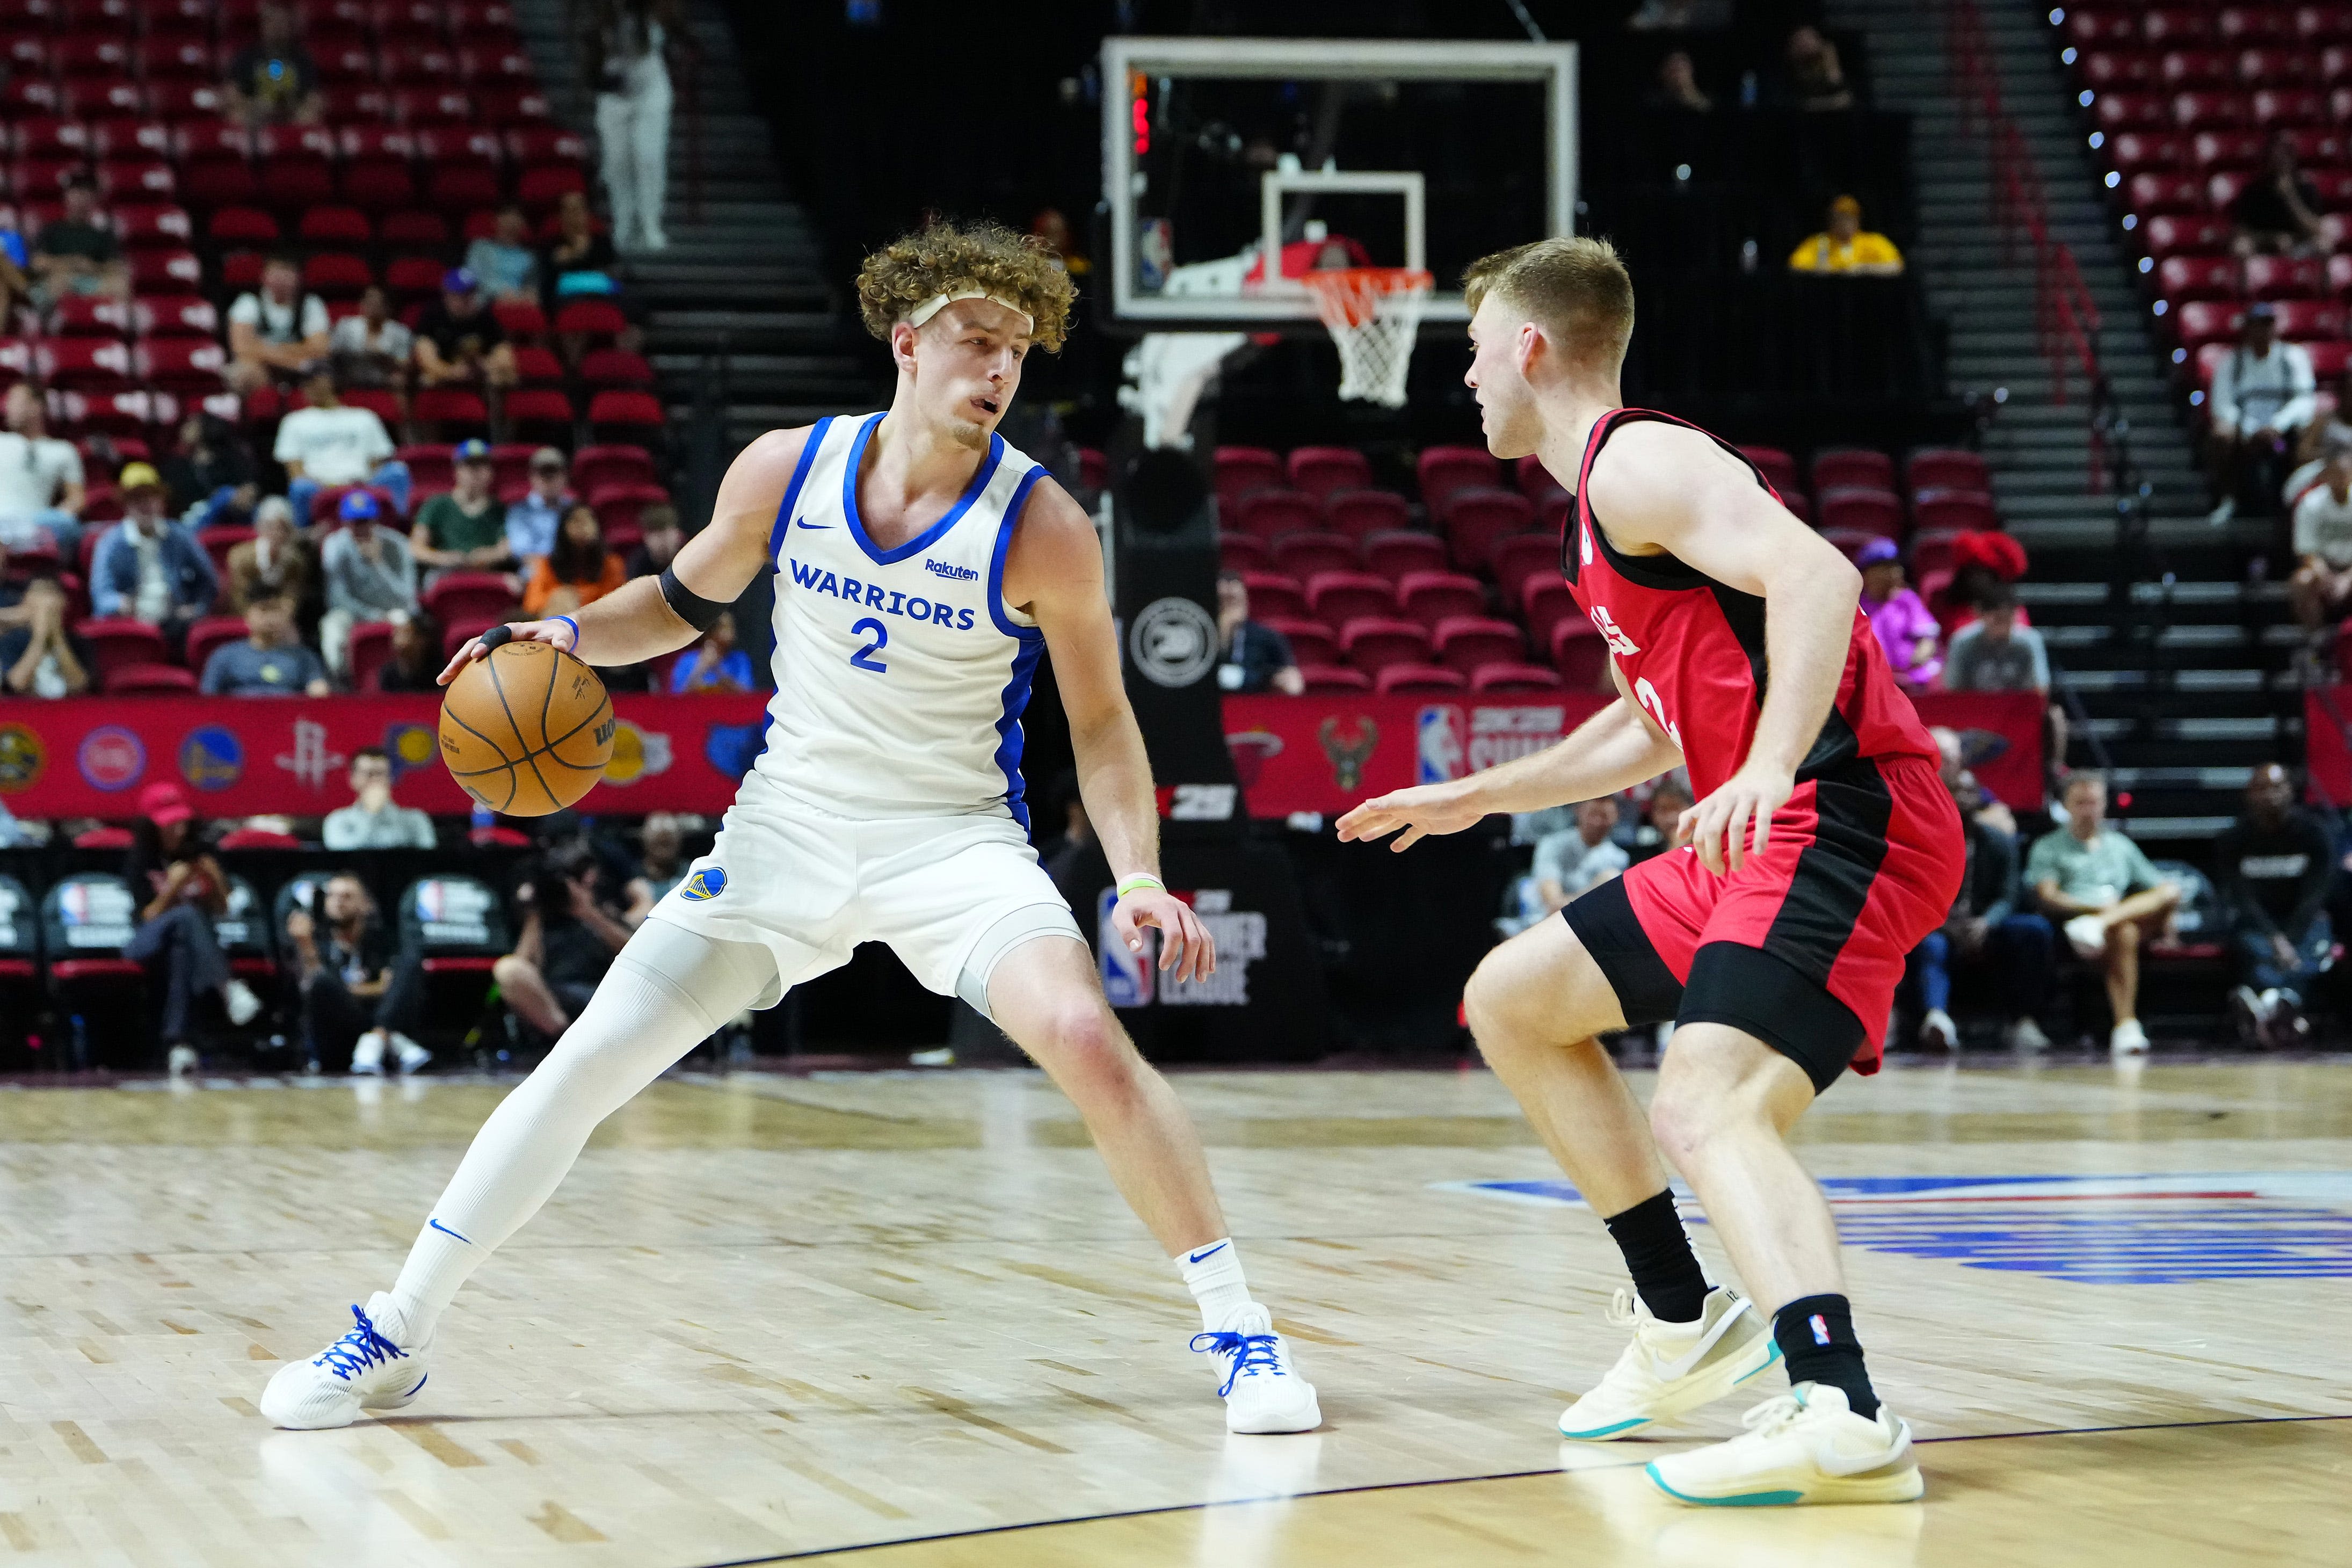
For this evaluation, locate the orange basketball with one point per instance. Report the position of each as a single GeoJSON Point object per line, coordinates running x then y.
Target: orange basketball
{"type": "Point", "coordinates": [527, 730]}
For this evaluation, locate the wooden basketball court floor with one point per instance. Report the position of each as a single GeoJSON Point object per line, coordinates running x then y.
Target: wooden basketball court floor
{"type": "Point", "coordinates": [900, 1320]}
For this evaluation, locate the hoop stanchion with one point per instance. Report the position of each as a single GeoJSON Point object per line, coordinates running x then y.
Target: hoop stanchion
{"type": "Point", "coordinates": [1373, 313]}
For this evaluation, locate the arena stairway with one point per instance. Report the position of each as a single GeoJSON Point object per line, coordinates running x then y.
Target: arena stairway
{"type": "Point", "coordinates": [739, 291]}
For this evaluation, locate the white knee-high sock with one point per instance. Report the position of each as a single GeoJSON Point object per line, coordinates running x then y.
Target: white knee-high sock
{"type": "Point", "coordinates": [639, 1021]}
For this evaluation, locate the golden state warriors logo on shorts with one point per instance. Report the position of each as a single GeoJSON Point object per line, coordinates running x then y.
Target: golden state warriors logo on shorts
{"type": "Point", "coordinates": [707, 883]}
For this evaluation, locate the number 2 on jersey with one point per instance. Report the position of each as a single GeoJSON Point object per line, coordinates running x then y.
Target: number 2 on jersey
{"type": "Point", "coordinates": [881, 635]}
{"type": "Point", "coordinates": [1648, 696]}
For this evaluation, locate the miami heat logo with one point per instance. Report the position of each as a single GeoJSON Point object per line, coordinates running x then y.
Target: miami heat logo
{"type": "Point", "coordinates": [1612, 633]}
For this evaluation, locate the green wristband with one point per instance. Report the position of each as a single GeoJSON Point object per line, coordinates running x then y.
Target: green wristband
{"type": "Point", "coordinates": [1141, 879]}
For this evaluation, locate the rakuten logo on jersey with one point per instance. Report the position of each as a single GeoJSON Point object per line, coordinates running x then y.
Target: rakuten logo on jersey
{"type": "Point", "coordinates": [1611, 633]}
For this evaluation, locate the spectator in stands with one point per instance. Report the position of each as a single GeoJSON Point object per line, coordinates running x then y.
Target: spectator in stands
{"type": "Point", "coordinates": [276, 332]}
{"type": "Point", "coordinates": [569, 936]}
{"type": "Point", "coordinates": [270, 662]}
{"type": "Point", "coordinates": [2272, 867]}
{"type": "Point", "coordinates": [504, 261]}
{"type": "Point", "coordinates": [186, 891]}
{"type": "Point", "coordinates": [77, 253]}
{"type": "Point", "coordinates": [1566, 864]}
{"type": "Point", "coordinates": [275, 563]}
{"type": "Point", "coordinates": [40, 477]}
{"type": "Point", "coordinates": [332, 443]}
{"type": "Point", "coordinates": [371, 349]}
{"type": "Point", "coordinates": [2316, 436]}
{"type": "Point", "coordinates": [662, 841]}
{"type": "Point", "coordinates": [273, 80]}
{"type": "Point", "coordinates": [15, 288]}
{"type": "Point", "coordinates": [1984, 926]}
{"type": "Point", "coordinates": [39, 654]}
{"type": "Point", "coordinates": [1814, 78]}
{"type": "Point", "coordinates": [1898, 615]}
{"type": "Point", "coordinates": [578, 260]}
{"type": "Point", "coordinates": [660, 539]}
{"type": "Point", "coordinates": [2264, 393]}
{"type": "Point", "coordinates": [369, 577]}
{"type": "Point", "coordinates": [1662, 819]}
{"type": "Point", "coordinates": [2279, 210]}
{"type": "Point", "coordinates": [1846, 248]}
{"type": "Point", "coordinates": [624, 49]}
{"type": "Point", "coordinates": [2110, 898]}
{"type": "Point", "coordinates": [1996, 653]}
{"type": "Point", "coordinates": [148, 567]}
{"type": "Point", "coordinates": [1982, 558]}
{"type": "Point", "coordinates": [416, 657]}
{"type": "Point", "coordinates": [578, 571]}
{"type": "Point", "coordinates": [460, 343]}
{"type": "Point", "coordinates": [2322, 545]}
{"type": "Point", "coordinates": [464, 530]}
{"type": "Point", "coordinates": [357, 998]}
{"type": "Point", "coordinates": [1677, 87]}
{"type": "Point", "coordinates": [715, 664]}
{"type": "Point", "coordinates": [372, 820]}
{"type": "Point", "coordinates": [531, 522]}
{"type": "Point", "coordinates": [211, 476]}
{"type": "Point", "coordinates": [1255, 657]}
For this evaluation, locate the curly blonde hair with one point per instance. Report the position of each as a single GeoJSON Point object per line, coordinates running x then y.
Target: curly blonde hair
{"type": "Point", "coordinates": [944, 257]}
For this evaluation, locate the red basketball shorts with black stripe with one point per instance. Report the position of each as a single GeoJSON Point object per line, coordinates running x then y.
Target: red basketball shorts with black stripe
{"type": "Point", "coordinates": [1804, 945]}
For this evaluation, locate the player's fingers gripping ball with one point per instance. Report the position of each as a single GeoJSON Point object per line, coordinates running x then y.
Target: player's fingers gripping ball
{"type": "Point", "coordinates": [527, 730]}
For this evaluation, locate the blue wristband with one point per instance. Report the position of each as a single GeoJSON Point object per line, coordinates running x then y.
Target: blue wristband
{"type": "Point", "coordinates": [568, 621]}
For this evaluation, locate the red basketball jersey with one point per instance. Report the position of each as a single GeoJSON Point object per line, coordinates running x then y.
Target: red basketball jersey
{"type": "Point", "coordinates": [1692, 648]}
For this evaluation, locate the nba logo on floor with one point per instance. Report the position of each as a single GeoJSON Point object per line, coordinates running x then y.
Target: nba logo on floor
{"type": "Point", "coordinates": [707, 883]}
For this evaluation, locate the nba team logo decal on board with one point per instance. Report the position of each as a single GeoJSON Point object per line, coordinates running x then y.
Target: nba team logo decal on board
{"type": "Point", "coordinates": [212, 758]}
{"type": "Point", "coordinates": [21, 756]}
{"type": "Point", "coordinates": [705, 884]}
{"type": "Point", "coordinates": [112, 758]}
{"type": "Point", "coordinates": [410, 747]}
{"type": "Point", "coordinates": [1173, 642]}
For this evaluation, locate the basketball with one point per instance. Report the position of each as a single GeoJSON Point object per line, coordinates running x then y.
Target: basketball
{"type": "Point", "coordinates": [527, 730]}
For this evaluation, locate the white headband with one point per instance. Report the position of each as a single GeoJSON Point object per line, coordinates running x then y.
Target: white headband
{"type": "Point", "coordinates": [938, 302]}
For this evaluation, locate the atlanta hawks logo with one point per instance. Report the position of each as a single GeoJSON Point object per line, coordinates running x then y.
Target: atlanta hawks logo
{"type": "Point", "coordinates": [1611, 634]}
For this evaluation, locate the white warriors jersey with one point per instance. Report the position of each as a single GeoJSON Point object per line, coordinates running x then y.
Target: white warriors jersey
{"type": "Point", "coordinates": [901, 674]}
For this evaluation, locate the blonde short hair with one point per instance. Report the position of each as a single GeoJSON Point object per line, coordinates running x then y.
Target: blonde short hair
{"type": "Point", "coordinates": [945, 258]}
{"type": "Point", "coordinates": [1577, 290]}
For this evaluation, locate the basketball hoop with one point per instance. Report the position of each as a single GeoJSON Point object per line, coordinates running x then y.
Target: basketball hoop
{"type": "Point", "coordinates": [1373, 313]}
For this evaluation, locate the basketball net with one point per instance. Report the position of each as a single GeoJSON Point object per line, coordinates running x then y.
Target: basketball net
{"type": "Point", "coordinates": [1374, 313]}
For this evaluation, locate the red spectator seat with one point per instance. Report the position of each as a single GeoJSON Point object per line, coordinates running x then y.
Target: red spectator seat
{"type": "Point", "coordinates": [1244, 552]}
{"type": "Point", "coordinates": [2185, 234]}
{"type": "Point", "coordinates": [1374, 642]}
{"type": "Point", "coordinates": [2111, 70]}
{"type": "Point", "coordinates": [174, 315]}
{"type": "Point", "coordinates": [336, 276]}
{"type": "Point", "coordinates": [2181, 70]}
{"type": "Point", "coordinates": [2252, 24]}
{"type": "Point", "coordinates": [536, 366]}
{"type": "Point", "coordinates": [2315, 23]}
{"type": "Point", "coordinates": [88, 316]}
{"type": "Point", "coordinates": [2160, 193]}
{"type": "Point", "coordinates": [596, 466]}
{"type": "Point", "coordinates": [418, 63]}
{"type": "Point", "coordinates": [619, 367]}
{"type": "Point", "coordinates": [511, 106]}
{"type": "Point", "coordinates": [1544, 605]}
{"type": "Point", "coordinates": [2276, 67]}
{"type": "Point", "coordinates": [89, 364]}
{"type": "Point", "coordinates": [1360, 514]}
{"type": "Point", "coordinates": [1509, 678]}
{"type": "Point", "coordinates": [494, 61]}
{"type": "Point", "coordinates": [1850, 541]}
{"type": "Point", "coordinates": [461, 183]}
{"type": "Point", "coordinates": [1446, 471]}
{"type": "Point", "coordinates": [213, 631]}
{"type": "Point", "coordinates": [421, 106]}
{"type": "Point", "coordinates": [2273, 107]}
{"type": "Point", "coordinates": [168, 59]}
{"type": "Point", "coordinates": [610, 413]}
{"type": "Point", "coordinates": [335, 225]}
{"type": "Point", "coordinates": [591, 318]}
{"type": "Point", "coordinates": [1849, 467]}
{"type": "Point", "coordinates": [1241, 469]}
{"type": "Point", "coordinates": [1270, 514]}
{"type": "Point", "coordinates": [456, 635]}
{"type": "Point", "coordinates": [458, 596]}
{"type": "Point", "coordinates": [371, 650]}
{"type": "Point", "coordinates": [2169, 28]}
{"type": "Point", "coordinates": [47, 136]}
{"type": "Point", "coordinates": [413, 229]}
{"type": "Point", "coordinates": [151, 681]}
{"type": "Point", "coordinates": [618, 506]}
{"type": "Point", "coordinates": [413, 277]}
{"type": "Point", "coordinates": [1335, 598]}
{"type": "Point", "coordinates": [2132, 152]}
{"type": "Point", "coordinates": [1321, 471]}
{"type": "Point", "coordinates": [1535, 480]}
{"type": "Point", "coordinates": [153, 224]}
{"type": "Point", "coordinates": [1311, 642]}
{"type": "Point", "coordinates": [524, 322]}
{"type": "Point", "coordinates": [1333, 679]}
{"type": "Point", "coordinates": [1947, 467]}
{"type": "Point", "coordinates": [100, 57]}
{"type": "Point", "coordinates": [189, 366]}
{"type": "Point", "coordinates": [1465, 642]}
{"type": "Point", "coordinates": [545, 145]}
{"type": "Point", "coordinates": [118, 642]}
{"type": "Point", "coordinates": [2199, 111]}
{"type": "Point", "coordinates": [1779, 469]}
{"type": "Point", "coordinates": [430, 468]}
{"type": "Point", "coordinates": [26, 94]}
{"type": "Point", "coordinates": [1853, 507]}
{"type": "Point", "coordinates": [541, 413]}
{"type": "Point", "coordinates": [543, 185]}
{"type": "Point", "coordinates": [220, 541]}
{"type": "Point", "coordinates": [2116, 111]}
{"type": "Point", "coordinates": [2285, 278]}
{"type": "Point", "coordinates": [2302, 318]}
{"type": "Point", "coordinates": [1303, 554]}
{"type": "Point", "coordinates": [2180, 278]}
{"type": "Point", "coordinates": [511, 470]}
{"type": "Point", "coordinates": [1477, 520]}
{"type": "Point", "coordinates": [154, 271]}
{"type": "Point", "coordinates": [1952, 509]}
{"type": "Point", "coordinates": [449, 408]}
{"type": "Point", "coordinates": [1094, 465]}
{"type": "Point", "coordinates": [1418, 680]}
{"type": "Point", "coordinates": [384, 406]}
{"type": "Point", "coordinates": [241, 226]}
{"type": "Point", "coordinates": [1272, 594]}
{"type": "Point", "coordinates": [1397, 552]}
{"type": "Point", "coordinates": [1433, 597]}
{"type": "Point", "coordinates": [1932, 551]}
{"type": "Point", "coordinates": [2329, 360]}
{"type": "Point", "coordinates": [180, 98]}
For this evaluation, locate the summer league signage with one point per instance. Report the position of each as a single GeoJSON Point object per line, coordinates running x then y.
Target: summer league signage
{"type": "Point", "coordinates": [289, 755]}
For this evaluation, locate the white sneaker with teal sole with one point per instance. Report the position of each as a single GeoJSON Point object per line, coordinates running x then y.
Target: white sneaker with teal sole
{"type": "Point", "coordinates": [1261, 1391]}
{"type": "Point", "coordinates": [1806, 1446]}
{"type": "Point", "coordinates": [365, 1370]}
{"type": "Point", "coordinates": [1671, 1369]}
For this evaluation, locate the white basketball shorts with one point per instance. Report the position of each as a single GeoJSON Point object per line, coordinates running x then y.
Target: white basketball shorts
{"type": "Point", "coordinates": [950, 895]}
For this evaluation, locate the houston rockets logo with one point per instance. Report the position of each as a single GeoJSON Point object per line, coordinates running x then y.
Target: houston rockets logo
{"type": "Point", "coordinates": [1612, 633]}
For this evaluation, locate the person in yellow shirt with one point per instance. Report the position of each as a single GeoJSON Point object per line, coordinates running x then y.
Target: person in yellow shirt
{"type": "Point", "coordinates": [1847, 247]}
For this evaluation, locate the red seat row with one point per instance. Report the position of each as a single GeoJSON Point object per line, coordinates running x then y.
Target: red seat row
{"type": "Point", "coordinates": [2176, 69]}
{"type": "Point", "coordinates": [2130, 153]}
{"type": "Point", "coordinates": [240, 20]}
{"type": "Point", "coordinates": [495, 106]}
{"type": "Point", "coordinates": [2175, 25]}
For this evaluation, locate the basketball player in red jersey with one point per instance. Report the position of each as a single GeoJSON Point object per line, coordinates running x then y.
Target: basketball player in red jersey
{"type": "Point", "coordinates": [1822, 847]}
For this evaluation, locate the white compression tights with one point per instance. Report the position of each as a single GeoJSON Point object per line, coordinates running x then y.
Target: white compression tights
{"type": "Point", "coordinates": [669, 991]}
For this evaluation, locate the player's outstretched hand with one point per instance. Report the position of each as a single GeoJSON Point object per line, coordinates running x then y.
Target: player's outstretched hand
{"type": "Point", "coordinates": [1718, 826]}
{"type": "Point", "coordinates": [556, 634]}
{"type": "Point", "coordinates": [1420, 811]}
{"type": "Point", "coordinates": [1185, 945]}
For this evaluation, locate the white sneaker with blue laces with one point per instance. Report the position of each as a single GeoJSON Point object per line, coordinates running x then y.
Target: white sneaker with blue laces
{"type": "Point", "coordinates": [1671, 1369]}
{"type": "Point", "coordinates": [365, 1370]}
{"type": "Point", "coordinates": [1261, 1391]}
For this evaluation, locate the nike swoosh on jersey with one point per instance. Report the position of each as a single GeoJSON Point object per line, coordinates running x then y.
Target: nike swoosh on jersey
{"type": "Point", "coordinates": [819, 526]}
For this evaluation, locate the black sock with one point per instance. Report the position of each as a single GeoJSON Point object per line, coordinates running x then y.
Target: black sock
{"type": "Point", "coordinates": [1815, 1335]}
{"type": "Point", "coordinates": [1658, 1253]}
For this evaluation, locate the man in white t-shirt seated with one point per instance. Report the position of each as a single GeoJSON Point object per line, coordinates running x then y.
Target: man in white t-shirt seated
{"type": "Point", "coordinates": [1575, 861]}
{"type": "Point", "coordinates": [40, 478]}
{"type": "Point", "coordinates": [331, 443]}
{"type": "Point", "coordinates": [2263, 394]}
{"type": "Point", "coordinates": [2323, 542]}
{"type": "Point", "coordinates": [276, 332]}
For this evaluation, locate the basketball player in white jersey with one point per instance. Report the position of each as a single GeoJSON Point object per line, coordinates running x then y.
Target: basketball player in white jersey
{"type": "Point", "coordinates": [922, 568]}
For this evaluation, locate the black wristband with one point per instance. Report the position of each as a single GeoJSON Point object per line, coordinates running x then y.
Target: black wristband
{"type": "Point", "coordinates": [696, 611]}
